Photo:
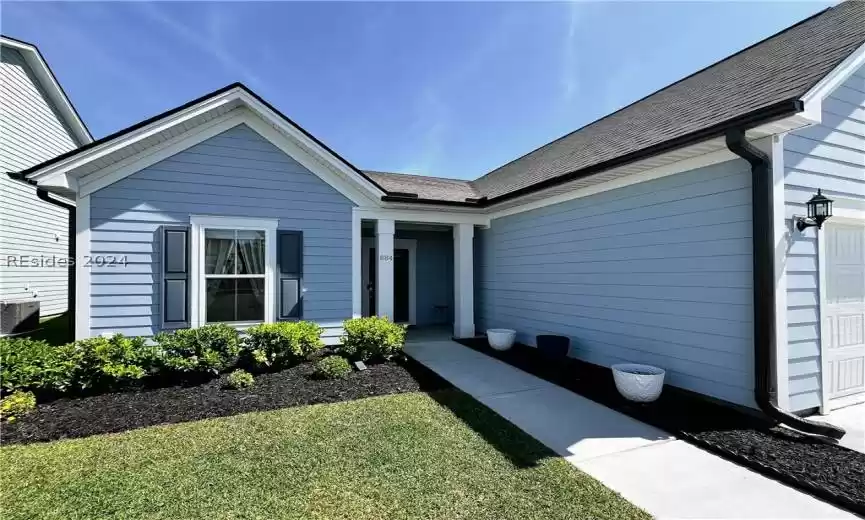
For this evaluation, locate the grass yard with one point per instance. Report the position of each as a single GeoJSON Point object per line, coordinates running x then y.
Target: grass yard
{"type": "Point", "coordinates": [415, 455]}
{"type": "Point", "coordinates": [54, 330]}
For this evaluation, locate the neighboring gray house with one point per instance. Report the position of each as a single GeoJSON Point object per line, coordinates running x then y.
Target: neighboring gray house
{"type": "Point", "coordinates": [37, 122]}
{"type": "Point", "coordinates": [657, 234]}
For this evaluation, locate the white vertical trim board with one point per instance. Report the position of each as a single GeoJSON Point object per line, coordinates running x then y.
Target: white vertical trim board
{"type": "Point", "coordinates": [358, 287]}
{"type": "Point", "coordinates": [821, 291]}
{"type": "Point", "coordinates": [199, 223]}
{"type": "Point", "coordinates": [82, 270]}
{"type": "Point", "coordinates": [384, 231]}
{"type": "Point", "coordinates": [780, 242]}
{"type": "Point", "coordinates": [400, 243]}
{"type": "Point", "coordinates": [464, 312]}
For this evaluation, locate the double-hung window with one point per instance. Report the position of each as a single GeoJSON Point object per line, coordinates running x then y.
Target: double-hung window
{"type": "Point", "coordinates": [234, 273]}
{"type": "Point", "coordinates": [234, 262]}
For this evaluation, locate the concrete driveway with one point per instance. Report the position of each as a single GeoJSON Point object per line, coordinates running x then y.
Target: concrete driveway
{"type": "Point", "coordinates": [665, 476]}
{"type": "Point", "coordinates": [852, 419]}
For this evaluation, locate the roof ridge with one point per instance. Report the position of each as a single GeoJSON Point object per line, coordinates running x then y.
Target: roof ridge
{"type": "Point", "coordinates": [419, 175]}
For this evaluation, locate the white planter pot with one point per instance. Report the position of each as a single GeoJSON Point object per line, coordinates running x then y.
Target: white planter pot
{"type": "Point", "coordinates": [638, 383]}
{"type": "Point", "coordinates": [501, 339]}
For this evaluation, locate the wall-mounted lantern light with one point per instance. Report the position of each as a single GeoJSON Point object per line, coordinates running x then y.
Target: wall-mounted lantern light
{"type": "Point", "coordinates": [819, 209]}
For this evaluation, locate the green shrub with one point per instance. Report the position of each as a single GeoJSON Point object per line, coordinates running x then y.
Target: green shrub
{"type": "Point", "coordinates": [208, 349]}
{"type": "Point", "coordinates": [111, 362]}
{"type": "Point", "coordinates": [16, 404]}
{"type": "Point", "coordinates": [27, 364]}
{"type": "Point", "coordinates": [332, 367]}
{"type": "Point", "coordinates": [372, 338]}
{"type": "Point", "coordinates": [239, 379]}
{"type": "Point", "coordinates": [282, 343]}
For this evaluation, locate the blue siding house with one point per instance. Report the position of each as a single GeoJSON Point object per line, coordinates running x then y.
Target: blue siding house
{"type": "Point", "coordinates": [674, 232]}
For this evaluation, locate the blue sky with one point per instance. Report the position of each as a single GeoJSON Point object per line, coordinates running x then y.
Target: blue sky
{"type": "Point", "coordinates": [447, 89]}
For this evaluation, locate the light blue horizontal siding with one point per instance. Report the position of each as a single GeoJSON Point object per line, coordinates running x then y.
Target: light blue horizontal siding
{"type": "Point", "coordinates": [237, 173]}
{"type": "Point", "coordinates": [658, 272]}
{"type": "Point", "coordinates": [829, 156]}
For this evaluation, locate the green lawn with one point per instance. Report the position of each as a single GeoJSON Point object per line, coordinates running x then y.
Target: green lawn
{"type": "Point", "coordinates": [402, 456]}
{"type": "Point", "coordinates": [54, 330]}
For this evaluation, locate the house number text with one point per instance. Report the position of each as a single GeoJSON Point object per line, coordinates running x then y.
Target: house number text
{"type": "Point", "coordinates": [386, 258]}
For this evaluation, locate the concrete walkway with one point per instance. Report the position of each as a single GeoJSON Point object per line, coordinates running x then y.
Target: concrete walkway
{"type": "Point", "coordinates": [852, 419]}
{"type": "Point", "coordinates": [665, 476]}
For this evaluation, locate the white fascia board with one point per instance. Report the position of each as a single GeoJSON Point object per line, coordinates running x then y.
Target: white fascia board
{"type": "Point", "coordinates": [104, 177]}
{"type": "Point", "coordinates": [320, 165]}
{"type": "Point", "coordinates": [423, 215]}
{"type": "Point", "coordinates": [813, 99]}
{"type": "Point", "coordinates": [684, 165]}
{"type": "Point", "coordinates": [250, 111]}
{"type": "Point", "coordinates": [304, 140]}
{"type": "Point", "coordinates": [73, 162]}
{"type": "Point", "coordinates": [52, 88]}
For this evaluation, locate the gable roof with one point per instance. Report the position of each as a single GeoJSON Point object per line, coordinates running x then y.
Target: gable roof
{"type": "Point", "coordinates": [172, 125]}
{"type": "Point", "coordinates": [774, 73]}
{"type": "Point", "coordinates": [51, 87]}
{"type": "Point", "coordinates": [760, 84]}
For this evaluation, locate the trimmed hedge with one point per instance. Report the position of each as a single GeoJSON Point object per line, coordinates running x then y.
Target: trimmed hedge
{"type": "Point", "coordinates": [372, 338]}
{"type": "Point", "coordinates": [332, 367]}
{"type": "Point", "coordinates": [210, 349]}
{"type": "Point", "coordinates": [239, 379]}
{"type": "Point", "coordinates": [282, 344]}
{"type": "Point", "coordinates": [27, 364]}
{"type": "Point", "coordinates": [110, 363]}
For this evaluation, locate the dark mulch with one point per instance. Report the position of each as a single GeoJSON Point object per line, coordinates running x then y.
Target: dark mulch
{"type": "Point", "coordinates": [828, 471]}
{"type": "Point", "coordinates": [122, 411]}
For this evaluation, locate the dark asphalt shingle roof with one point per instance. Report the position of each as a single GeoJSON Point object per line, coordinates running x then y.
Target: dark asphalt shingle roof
{"type": "Point", "coordinates": [782, 67]}
{"type": "Point", "coordinates": [434, 188]}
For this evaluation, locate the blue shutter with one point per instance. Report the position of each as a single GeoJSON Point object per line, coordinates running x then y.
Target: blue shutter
{"type": "Point", "coordinates": [290, 272]}
{"type": "Point", "coordinates": [175, 277]}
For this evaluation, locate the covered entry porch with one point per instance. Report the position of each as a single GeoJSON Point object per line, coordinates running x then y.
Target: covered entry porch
{"type": "Point", "coordinates": [415, 267]}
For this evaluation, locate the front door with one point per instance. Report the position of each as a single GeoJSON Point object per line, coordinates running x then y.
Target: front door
{"type": "Point", "coordinates": [844, 316]}
{"type": "Point", "coordinates": [400, 284]}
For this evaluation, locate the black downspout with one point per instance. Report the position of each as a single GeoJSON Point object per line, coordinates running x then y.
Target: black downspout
{"type": "Point", "coordinates": [71, 247]}
{"type": "Point", "coordinates": [762, 201]}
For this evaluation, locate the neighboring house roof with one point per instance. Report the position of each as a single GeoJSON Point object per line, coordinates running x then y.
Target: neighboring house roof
{"type": "Point", "coordinates": [776, 71]}
{"type": "Point", "coordinates": [53, 90]}
{"type": "Point", "coordinates": [763, 83]}
{"type": "Point", "coordinates": [432, 188]}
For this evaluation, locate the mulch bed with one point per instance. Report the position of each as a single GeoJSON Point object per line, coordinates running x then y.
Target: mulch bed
{"type": "Point", "coordinates": [121, 411]}
{"type": "Point", "coordinates": [828, 471]}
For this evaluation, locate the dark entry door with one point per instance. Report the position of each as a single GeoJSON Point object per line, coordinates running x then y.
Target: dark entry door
{"type": "Point", "coordinates": [400, 284]}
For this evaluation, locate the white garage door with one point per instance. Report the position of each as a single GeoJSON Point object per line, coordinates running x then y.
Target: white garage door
{"type": "Point", "coordinates": [844, 325]}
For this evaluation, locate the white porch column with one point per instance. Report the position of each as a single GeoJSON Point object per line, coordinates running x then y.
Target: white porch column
{"type": "Point", "coordinates": [384, 230]}
{"type": "Point", "coordinates": [464, 287]}
{"type": "Point", "coordinates": [357, 289]}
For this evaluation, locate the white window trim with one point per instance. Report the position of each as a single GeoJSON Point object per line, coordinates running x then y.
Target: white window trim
{"type": "Point", "coordinates": [199, 224]}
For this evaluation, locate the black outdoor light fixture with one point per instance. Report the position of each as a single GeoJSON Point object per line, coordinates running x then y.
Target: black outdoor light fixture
{"type": "Point", "coordinates": [819, 209]}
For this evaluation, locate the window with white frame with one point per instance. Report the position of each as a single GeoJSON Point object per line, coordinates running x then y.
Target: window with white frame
{"type": "Point", "coordinates": [234, 263]}
{"type": "Point", "coordinates": [234, 272]}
